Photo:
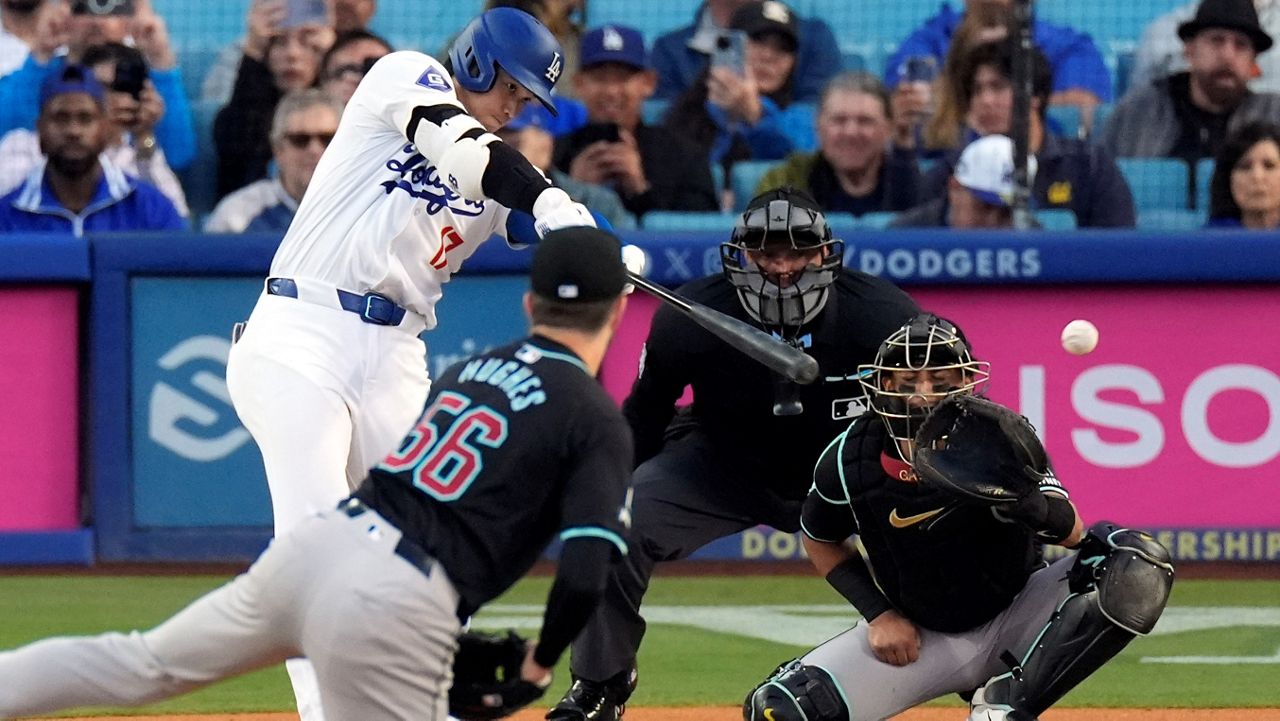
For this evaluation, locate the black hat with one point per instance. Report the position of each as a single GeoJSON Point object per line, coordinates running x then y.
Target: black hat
{"type": "Point", "coordinates": [770, 16]}
{"type": "Point", "coordinates": [578, 265]}
{"type": "Point", "coordinates": [1238, 15]}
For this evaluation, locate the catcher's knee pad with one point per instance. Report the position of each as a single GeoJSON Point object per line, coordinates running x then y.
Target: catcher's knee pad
{"type": "Point", "coordinates": [796, 692]}
{"type": "Point", "coordinates": [1132, 572]}
{"type": "Point", "coordinates": [1120, 584]}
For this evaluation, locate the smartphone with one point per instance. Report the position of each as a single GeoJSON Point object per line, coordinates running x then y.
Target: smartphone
{"type": "Point", "coordinates": [102, 7]}
{"type": "Point", "coordinates": [305, 12]}
{"type": "Point", "coordinates": [595, 132]}
{"type": "Point", "coordinates": [731, 52]}
{"type": "Point", "coordinates": [131, 75]}
{"type": "Point", "coordinates": [918, 69]}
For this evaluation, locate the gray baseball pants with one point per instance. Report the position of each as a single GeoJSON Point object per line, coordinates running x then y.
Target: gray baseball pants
{"type": "Point", "coordinates": [380, 631]}
{"type": "Point", "coordinates": [949, 662]}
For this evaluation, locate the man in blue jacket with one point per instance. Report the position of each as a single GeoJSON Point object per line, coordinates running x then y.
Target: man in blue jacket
{"type": "Point", "coordinates": [76, 189]}
{"type": "Point", "coordinates": [680, 55]}
{"type": "Point", "coordinates": [1080, 77]}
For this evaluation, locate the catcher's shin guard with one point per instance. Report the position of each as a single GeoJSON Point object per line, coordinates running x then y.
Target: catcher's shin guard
{"type": "Point", "coordinates": [796, 692]}
{"type": "Point", "coordinates": [1119, 586]}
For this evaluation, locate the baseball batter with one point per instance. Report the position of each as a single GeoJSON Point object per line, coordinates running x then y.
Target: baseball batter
{"type": "Point", "coordinates": [743, 453]}
{"type": "Point", "coordinates": [515, 447]}
{"type": "Point", "coordinates": [954, 594]}
{"type": "Point", "coordinates": [329, 371]}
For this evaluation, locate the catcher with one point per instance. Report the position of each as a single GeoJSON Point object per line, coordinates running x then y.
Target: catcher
{"type": "Point", "coordinates": [952, 497]}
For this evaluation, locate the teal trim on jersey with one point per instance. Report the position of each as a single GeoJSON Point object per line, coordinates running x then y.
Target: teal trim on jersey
{"type": "Point", "coordinates": [843, 697]}
{"type": "Point", "coordinates": [814, 488]}
{"type": "Point", "coordinates": [554, 355]}
{"type": "Point", "coordinates": [595, 532]}
{"type": "Point", "coordinates": [810, 534]}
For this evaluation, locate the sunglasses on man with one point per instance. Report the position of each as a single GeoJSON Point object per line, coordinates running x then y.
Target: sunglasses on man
{"type": "Point", "coordinates": [300, 141]}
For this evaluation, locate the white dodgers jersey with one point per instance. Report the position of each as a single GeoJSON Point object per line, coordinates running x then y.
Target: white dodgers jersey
{"type": "Point", "coordinates": [377, 215]}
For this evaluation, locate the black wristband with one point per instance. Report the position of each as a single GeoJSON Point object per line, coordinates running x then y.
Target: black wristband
{"type": "Point", "coordinates": [852, 580]}
{"type": "Point", "coordinates": [1059, 520]}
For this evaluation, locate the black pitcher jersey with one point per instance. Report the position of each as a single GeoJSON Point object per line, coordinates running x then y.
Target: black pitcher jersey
{"type": "Point", "coordinates": [515, 446]}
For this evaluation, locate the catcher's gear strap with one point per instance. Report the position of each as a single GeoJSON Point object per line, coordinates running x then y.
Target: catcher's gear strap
{"type": "Point", "coordinates": [852, 579]}
{"type": "Point", "coordinates": [797, 692]}
{"type": "Point", "coordinates": [580, 581]}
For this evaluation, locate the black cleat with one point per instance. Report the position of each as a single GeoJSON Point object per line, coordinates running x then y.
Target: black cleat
{"type": "Point", "coordinates": [591, 701]}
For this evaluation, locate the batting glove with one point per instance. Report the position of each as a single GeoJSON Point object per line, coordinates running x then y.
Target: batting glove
{"type": "Point", "coordinates": [554, 210]}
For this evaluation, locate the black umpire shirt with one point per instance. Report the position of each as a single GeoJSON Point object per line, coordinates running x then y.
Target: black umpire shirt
{"type": "Point", "coordinates": [515, 446]}
{"type": "Point", "coordinates": [733, 395]}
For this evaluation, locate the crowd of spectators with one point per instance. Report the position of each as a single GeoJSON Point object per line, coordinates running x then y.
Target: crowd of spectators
{"type": "Point", "coordinates": [661, 126]}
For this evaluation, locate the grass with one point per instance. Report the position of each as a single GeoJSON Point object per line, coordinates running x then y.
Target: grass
{"type": "Point", "coordinates": [680, 664]}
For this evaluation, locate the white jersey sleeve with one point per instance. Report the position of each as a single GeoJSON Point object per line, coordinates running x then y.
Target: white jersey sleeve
{"type": "Point", "coordinates": [398, 84]}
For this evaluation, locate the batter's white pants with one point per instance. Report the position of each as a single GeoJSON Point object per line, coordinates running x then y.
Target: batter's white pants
{"type": "Point", "coordinates": [326, 396]}
{"type": "Point", "coordinates": [380, 632]}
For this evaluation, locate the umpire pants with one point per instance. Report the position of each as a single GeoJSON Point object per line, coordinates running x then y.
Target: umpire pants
{"type": "Point", "coordinates": [684, 498]}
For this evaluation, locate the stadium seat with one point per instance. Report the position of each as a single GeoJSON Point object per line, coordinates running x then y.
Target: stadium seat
{"type": "Point", "coordinates": [1204, 174]}
{"type": "Point", "coordinates": [653, 111]}
{"type": "Point", "coordinates": [744, 178]}
{"type": "Point", "coordinates": [1056, 219]}
{"type": "Point", "coordinates": [1156, 182]}
{"type": "Point", "coordinates": [1101, 115]}
{"type": "Point", "coordinates": [1123, 69]}
{"type": "Point", "coordinates": [1065, 119]}
{"type": "Point", "coordinates": [195, 64]}
{"type": "Point", "coordinates": [1105, 20]}
{"type": "Point", "coordinates": [876, 221]}
{"type": "Point", "coordinates": [670, 220]}
{"type": "Point", "coordinates": [1168, 219]}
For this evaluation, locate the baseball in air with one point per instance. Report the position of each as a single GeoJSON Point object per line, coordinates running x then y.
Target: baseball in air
{"type": "Point", "coordinates": [1079, 337]}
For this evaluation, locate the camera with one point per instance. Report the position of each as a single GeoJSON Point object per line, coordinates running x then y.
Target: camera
{"type": "Point", "coordinates": [131, 75]}
{"type": "Point", "coordinates": [102, 7]}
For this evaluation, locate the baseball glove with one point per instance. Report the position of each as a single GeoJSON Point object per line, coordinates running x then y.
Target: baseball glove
{"type": "Point", "coordinates": [979, 450]}
{"type": "Point", "coordinates": [486, 677]}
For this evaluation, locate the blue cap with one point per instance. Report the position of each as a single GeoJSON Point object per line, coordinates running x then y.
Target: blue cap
{"type": "Point", "coordinates": [72, 79]}
{"type": "Point", "coordinates": [613, 44]}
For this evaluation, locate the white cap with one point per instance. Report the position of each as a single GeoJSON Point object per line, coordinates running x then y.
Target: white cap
{"type": "Point", "coordinates": [986, 169]}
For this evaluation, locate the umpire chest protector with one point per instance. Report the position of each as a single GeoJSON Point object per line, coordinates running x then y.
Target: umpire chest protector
{"type": "Point", "coordinates": [947, 564]}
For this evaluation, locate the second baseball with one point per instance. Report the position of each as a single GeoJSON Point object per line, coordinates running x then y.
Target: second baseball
{"type": "Point", "coordinates": [1079, 337]}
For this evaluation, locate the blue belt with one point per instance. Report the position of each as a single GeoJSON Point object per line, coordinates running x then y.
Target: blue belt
{"type": "Point", "coordinates": [372, 307]}
{"type": "Point", "coordinates": [405, 548]}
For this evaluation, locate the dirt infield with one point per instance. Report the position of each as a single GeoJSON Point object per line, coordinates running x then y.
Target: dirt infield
{"type": "Point", "coordinates": [733, 713]}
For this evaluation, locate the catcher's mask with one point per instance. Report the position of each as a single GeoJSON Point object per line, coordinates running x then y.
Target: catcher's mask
{"type": "Point", "coordinates": [779, 220]}
{"type": "Point", "coordinates": [925, 345]}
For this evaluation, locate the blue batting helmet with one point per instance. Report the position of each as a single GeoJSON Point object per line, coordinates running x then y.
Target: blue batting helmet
{"type": "Point", "coordinates": [513, 40]}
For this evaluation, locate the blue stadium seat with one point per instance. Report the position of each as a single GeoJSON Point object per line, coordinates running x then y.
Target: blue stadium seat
{"type": "Point", "coordinates": [1123, 69]}
{"type": "Point", "coordinates": [744, 178]}
{"type": "Point", "coordinates": [195, 64]}
{"type": "Point", "coordinates": [1168, 219]}
{"type": "Point", "coordinates": [653, 110]}
{"type": "Point", "coordinates": [1101, 114]}
{"type": "Point", "coordinates": [876, 221]}
{"type": "Point", "coordinates": [1204, 174]}
{"type": "Point", "coordinates": [1156, 182]}
{"type": "Point", "coordinates": [1065, 119]}
{"type": "Point", "coordinates": [670, 220]}
{"type": "Point", "coordinates": [1056, 219]}
{"type": "Point", "coordinates": [1105, 20]}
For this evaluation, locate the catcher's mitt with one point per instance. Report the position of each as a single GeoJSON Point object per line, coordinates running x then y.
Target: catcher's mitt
{"type": "Point", "coordinates": [486, 677]}
{"type": "Point", "coordinates": [980, 450]}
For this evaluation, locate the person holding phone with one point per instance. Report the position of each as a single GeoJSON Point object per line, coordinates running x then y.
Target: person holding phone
{"type": "Point", "coordinates": [133, 108]}
{"type": "Point", "coordinates": [650, 168]}
{"type": "Point", "coordinates": [84, 24]}
{"type": "Point", "coordinates": [743, 109]}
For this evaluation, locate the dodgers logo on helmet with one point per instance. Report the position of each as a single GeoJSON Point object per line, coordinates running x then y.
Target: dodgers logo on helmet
{"type": "Point", "coordinates": [515, 41]}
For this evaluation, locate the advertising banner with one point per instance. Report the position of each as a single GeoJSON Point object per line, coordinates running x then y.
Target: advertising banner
{"type": "Point", "coordinates": [40, 426]}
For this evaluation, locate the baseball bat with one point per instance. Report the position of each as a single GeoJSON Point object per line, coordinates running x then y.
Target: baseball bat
{"type": "Point", "coordinates": [775, 354]}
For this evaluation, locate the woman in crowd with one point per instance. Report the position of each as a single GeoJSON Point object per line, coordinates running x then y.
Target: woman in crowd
{"type": "Point", "coordinates": [1245, 189]}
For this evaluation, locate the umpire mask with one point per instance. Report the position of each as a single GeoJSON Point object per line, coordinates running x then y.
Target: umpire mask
{"type": "Point", "coordinates": [762, 259]}
{"type": "Point", "coordinates": [914, 370]}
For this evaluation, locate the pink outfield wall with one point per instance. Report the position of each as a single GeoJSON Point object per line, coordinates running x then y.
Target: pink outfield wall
{"type": "Point", "coordinates": [1173, 422]}
{"type": "Point", "coordinates": [39, 425]}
